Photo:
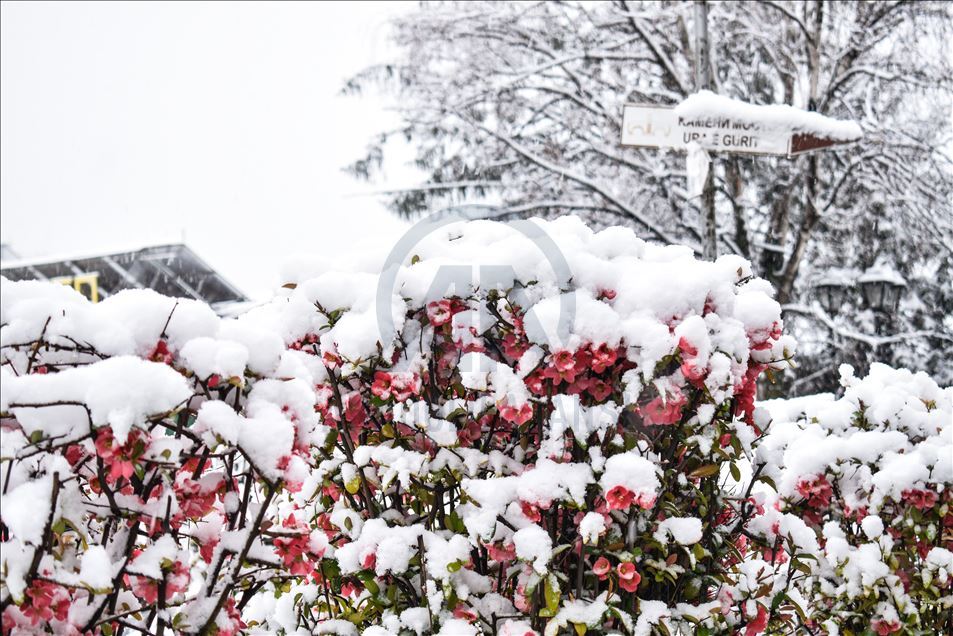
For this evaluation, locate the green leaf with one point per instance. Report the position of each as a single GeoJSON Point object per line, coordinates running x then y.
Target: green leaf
{"type": "Point", "coordinates": [769, 481]}
{"type": "Point", "coordinates": [552, 593]}
{"type": "Point", "coordinates": [704, 471]}
{"type": "Point", "coordinates": [580, 628]}
{"type": "Point", "coordinates": [367, 578]}
{"type": "Point", "coordinates": [353, 486]}
{"type": "Point", "coordinates": [735, 473]}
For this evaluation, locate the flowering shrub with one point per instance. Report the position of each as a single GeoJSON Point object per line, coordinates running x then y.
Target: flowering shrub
{"type": "Point", "coordinates": [870, 477]}
{"type": "Point", "coordinates": [479, 471]}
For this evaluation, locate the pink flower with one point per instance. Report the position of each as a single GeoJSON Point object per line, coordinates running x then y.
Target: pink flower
{"type": "Point", "coordinates": [520, 601]}
{"type": "Point", "coordinates": [693, 372]}
{"type": "Point", "coordinates": [563, 360]}
{"type": "Point", "coordinates": [884, 627]}
{"type": "Point", "coordinates": [369, 561]}
{"type": "Point", "coordinates": [629, 578]}
{"type": "Point", "coordinates": [745, 394]}
{"type": "Point", "coordinates": [920, 499]}
{"type": "Point", "coordinates": [354, 411]}
{"type": "Point", "coordinates": [349, 588]}
{"type": "Point", "coordinates": [565, 366]}
{"type": "Point", "coordinates": [516, 415]}
{"type": "Point", "coordinates": [531, 511]}
{"type": "Point", "coordinates": [619, 498]}
{"type": "Point", "coordinates": [381, 386]}
{"type": "Point", "coordinates": [599, 389]}
{"type": "Point", "coordinates": [601, 568]}
{"type": "Point", "coordinates": [603, 357]}
{"type": "Point", "coordinates": [514, 345]}
{"type": "Point", "coordinates": [817, 491]}
{"type": "Point", "coordinates": [667, 412]}
{"type": "Point", "coordinates": [45, 602]}
{"type": "Point", "coordinates": [439, 312]}
{"type": "Point", "coordinates": [234, 624]}
{"type": "Point", "coordinates": [464, 613]}
{"type": "Point", "coordinates": [196, 498]}
{"type": "Point", "coordinates": [147, 589]}
{"type": "Point", "coordinates": [405, 385]}
{"type": "Point", "coordinates": [120, 459]}
{"type": "Point", "coordinates": [501, 553]}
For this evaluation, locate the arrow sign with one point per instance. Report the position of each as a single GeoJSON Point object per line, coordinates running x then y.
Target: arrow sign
{"type": "Point", "coordinates": [661, 127]}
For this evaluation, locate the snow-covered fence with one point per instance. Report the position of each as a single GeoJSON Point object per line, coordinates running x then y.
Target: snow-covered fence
{"type": "Point", "coordinates": [293, 471]}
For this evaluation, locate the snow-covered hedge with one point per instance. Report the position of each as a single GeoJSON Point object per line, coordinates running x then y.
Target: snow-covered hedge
{"type": "Point", "coordinates": [863, 501]}
{"type": "Point", "coordinates": [478, 470]}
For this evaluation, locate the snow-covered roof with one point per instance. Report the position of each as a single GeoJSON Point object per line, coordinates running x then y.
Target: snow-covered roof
{"type": "Point", "coordinates": [173, 269]}
{"type": "Point", "coordinates": [837, 276]}
{"type": "Point", "coordinates": [884, 273]}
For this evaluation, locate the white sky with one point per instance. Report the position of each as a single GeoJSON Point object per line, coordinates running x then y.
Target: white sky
{"type": "Point", "coordinates": [128, 124]}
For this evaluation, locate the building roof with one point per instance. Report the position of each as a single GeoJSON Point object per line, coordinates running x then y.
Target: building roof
{"type": "Point", "coordinates": [171, 270]}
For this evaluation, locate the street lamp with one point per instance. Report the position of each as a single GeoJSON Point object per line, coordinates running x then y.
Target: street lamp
{"type": "Point", "coordinates": [881, 286]}
{"type": "Point", "coordinates": [832, 288]}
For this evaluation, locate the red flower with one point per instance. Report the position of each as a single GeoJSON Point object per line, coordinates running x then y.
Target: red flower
{"type": "Point", "coordinates": [659, 412]}
{"type": "Point", "coordinates": [599, 389]}
{"type": "Point", "coordinates": [45, 602]}
{"type": "Point", "coordinates": [920, 499]}
{"type": "Point", "coordinates": [464, 613]}
{"type": "Point", "coordinates": [565, 366]}
{"type": "Point", "coordinates": [404, 385]}
{"type": "Point", "coordinates": [884, 627]}
{"type": "Point", "coordinates": [536, 383]}
{"type": "Point", "coordinates": [514, 345]}
{"type": "Point", "coordinates": [601, 568]}
{"type": "Point", "coordinates": [745, 394]}
{"type": "Point", "coordinates": [563, 360]}
{"type": "Point", "coordinates": [148, 589]}
{"type": "Point", "coordinates": [531, 511]}
{"type": "Point", "coordinates": [501, 553]}
{"type": "Point", "coordinates": [629, 578]}
{"type": "Point", "coordinates": [161, 353]}
{"type": "Point", "coordinates": [354, 411]}
{"type": "Point", "coordinates": [817, 491]}
{"type": "Point", "coordinates": [759, 623]}
{"type": "Point", "coordinates": [603, 357]}
{"type": "Point", "coordinates": [120, 459]}
{"type": "Point", "coordinates": [381, 386]}
{"type": "Point", "coordinates": [516, 415]}
{"type": "Point", "coordinates": [369, 561]}
{"type": "Point", "coordinates": [439, 312]}
{"type": "Point", "coordinates": [619, 498]}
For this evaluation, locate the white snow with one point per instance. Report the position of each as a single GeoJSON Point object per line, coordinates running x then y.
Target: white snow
{"type": "Point", "coordinates": [534, 545]}
{"type": "Point", "coordinates": [773, 117]}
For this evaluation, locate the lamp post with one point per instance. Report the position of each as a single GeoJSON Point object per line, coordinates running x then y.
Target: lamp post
{"type": "Point", "coordinates": [832, 290]}
{"type": "Point", "coordinates": [882, 286]}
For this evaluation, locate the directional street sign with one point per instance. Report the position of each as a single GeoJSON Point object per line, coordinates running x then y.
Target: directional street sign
{"type": "Point", "coordinates": [661, 127]}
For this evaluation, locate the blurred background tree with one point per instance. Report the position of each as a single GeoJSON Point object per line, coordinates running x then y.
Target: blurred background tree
{"type": "Point", "coordinates": [520, 105]}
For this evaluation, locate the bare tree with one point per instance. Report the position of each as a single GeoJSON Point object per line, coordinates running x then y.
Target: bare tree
{"type": "Point", "coordinates": [520, 104]}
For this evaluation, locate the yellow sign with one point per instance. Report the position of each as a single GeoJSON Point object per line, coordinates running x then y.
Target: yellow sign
{"type": "Point", "coordinates": [86, 284]}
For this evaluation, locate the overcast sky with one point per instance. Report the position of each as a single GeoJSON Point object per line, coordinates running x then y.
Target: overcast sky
{"type": "Point", "coordinates": [129, 124]}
